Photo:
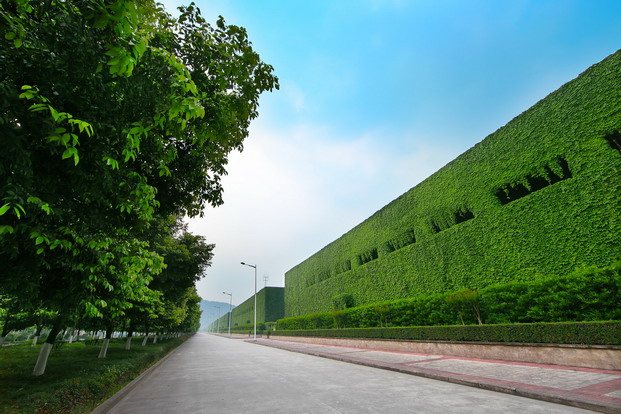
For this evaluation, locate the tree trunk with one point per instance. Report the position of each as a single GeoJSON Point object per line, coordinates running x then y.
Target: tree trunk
{"type": "Point", "coordinates": [155, 338]}
{"type": "Point", "coordinates": [106, 342]}
{"type": "Point", "coordinates": [145, 339]}
{"type": "Point", "coordinates": [44, 352]}
{"type": "Point", "coordinates": [477, 312]}
{"type": "Point", "coordinates": [6, 328]}
{"type": "Point", "coordinates": [37, 334]}
{"type": "Point", "coordinates": [128, 342]}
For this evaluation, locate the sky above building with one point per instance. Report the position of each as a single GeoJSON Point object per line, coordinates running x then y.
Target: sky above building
{"type": "Point", "coordinates": [375, 96]}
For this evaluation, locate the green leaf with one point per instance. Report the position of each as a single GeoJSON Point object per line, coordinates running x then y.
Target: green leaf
{"type": "Point", "coordinates": [54, 113]}
{"type": "Point", "coordinates": [4, 209]}
{"type": "Point", "coordinates": [17, 42]}
{"type": "Point", "coordinates": [10, 36]}
{"type": "Point", "coordinates": [68, 153]}
{"type": "Point", "coordinates": [38, 107]}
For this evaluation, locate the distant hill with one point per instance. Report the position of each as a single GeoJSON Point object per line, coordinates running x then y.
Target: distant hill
{"type": "Point", "coordinates": [210, 312]}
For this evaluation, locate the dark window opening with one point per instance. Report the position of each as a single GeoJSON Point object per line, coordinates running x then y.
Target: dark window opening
{"type": "Point", "coordinates": [463, 215]}
{"type": "Point", "coordinates": [323, 276]}
{"type": "Point", "coordinates": [389, 247]}
{"type": "Point", "coordinates": [513, 191]}
{"type": "Point", "coordinates": [501, 195]}
{"type": "Point", "coordinates": [565, 167]}
{"type": "Point", "coordinates": [552, 176]}
{"type": "Point", "coordinates": [517, 190]}
{"type": "Point", "coordinates": [614, 140]}
{"type": "Point", "coordinates": [367, 256]}
{"type": "Point", "coordinates": [404, 239]}
{"type": "Point", "coordinates": [343, 267]}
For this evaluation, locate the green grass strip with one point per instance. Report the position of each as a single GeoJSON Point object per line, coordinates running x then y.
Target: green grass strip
{"type": "Point", "coordinates": [75, 380]}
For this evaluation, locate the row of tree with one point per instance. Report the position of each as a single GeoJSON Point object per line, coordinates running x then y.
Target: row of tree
{"type": "Point", "coordinates": [116, 119]}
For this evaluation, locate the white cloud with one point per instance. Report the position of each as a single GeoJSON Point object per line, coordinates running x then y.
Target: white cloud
{"type": "Point", "coordinates": [293, 191]}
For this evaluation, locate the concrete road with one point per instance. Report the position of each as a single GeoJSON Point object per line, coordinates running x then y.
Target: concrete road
{"type": "Point", "coordinates": [210, 374]}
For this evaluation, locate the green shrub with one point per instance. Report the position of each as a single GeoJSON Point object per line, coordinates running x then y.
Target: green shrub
{"type": "Point", "coordinates": [588, 294]}
{"type": "Point", "coordinates": [588, 333]}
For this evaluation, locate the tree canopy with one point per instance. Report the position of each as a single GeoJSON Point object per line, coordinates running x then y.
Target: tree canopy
{"type": "Point", "coordinates": [114, 117]}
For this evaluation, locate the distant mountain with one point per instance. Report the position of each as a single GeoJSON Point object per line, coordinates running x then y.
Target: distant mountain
{"type": "Point", "coordinates": [210, 312]}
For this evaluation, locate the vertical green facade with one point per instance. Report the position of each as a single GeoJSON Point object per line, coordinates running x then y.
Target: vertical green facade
{"type": "Point", "coordinates": [270, 307]}
{"type": "Point", "coordinates": [541, 195]}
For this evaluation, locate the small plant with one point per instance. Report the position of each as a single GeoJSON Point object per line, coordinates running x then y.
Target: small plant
{"type": "Point", "coordinates": [466, 302]}
{"type": "Point", "coordinates": [382, 311]}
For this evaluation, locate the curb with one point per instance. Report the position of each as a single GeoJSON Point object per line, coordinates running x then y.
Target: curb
{"type": "Point", "coordinates": [557, 399]}
{"type": "Point", "coordinates": [109, 404]}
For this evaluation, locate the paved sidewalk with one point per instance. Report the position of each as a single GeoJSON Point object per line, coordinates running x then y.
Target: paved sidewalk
{"type": "Point", "coordinates": [594, 389]}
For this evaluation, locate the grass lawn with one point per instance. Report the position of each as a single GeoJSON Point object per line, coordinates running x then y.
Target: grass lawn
{"type": "Point", "coordinates": [75, 380]}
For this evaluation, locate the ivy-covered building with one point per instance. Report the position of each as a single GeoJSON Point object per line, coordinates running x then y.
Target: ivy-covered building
{"type": "Point", "coordinates": [541, 195]}
{"type": "Point", "coordinates": [270, 307]}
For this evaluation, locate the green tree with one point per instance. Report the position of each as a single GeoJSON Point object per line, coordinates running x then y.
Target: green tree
{"type": "Point", "coordinates": [111, 113]}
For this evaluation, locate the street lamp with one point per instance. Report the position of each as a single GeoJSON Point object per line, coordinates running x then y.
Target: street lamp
{"type": "Point", "coordinates": [230, 309]}
{"type": "Point", "coordinates": [255, 297]}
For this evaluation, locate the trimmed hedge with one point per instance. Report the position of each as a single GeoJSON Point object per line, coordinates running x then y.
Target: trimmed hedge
{"type": "Point", "coordinates": [588, 294]}
{"type": "Point", "coordinates": [587, 333]}
{"type": "Point", "coordinates": [541, 195]}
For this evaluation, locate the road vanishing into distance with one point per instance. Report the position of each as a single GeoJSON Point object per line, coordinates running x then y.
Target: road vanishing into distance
{"type": "Point", "coordinates": [212, 374]}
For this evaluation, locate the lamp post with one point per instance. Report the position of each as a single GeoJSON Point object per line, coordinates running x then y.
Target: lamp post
{"type": "Point", "coordinates": [230, 309]}
{"type": "Point", "coordinates": [255, 297]}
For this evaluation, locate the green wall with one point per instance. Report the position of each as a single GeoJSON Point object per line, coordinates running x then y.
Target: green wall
{"type": "Point", "coordinates": [270, 307]}
{"type": "Point", "coordinates": [541, 195]}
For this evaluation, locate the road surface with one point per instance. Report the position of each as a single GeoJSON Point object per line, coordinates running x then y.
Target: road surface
{"type": "Point", "coordinates": [211, 374]}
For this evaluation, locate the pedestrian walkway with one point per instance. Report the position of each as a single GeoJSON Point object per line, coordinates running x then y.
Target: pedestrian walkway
{"type": "Point", "coordinates": [594, 389]}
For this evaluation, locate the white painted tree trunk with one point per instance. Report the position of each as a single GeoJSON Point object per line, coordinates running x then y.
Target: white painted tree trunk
{"type": "Point", "coordinates": [128, 343]}
{"type": "Point", "coordinates": [144, 341]}
{"type": "Point", "coordinates": [155, 338]}
{"type": "Point", "coordinates": [71, 337]}
{"type": "Point", "coordinates": [44, 353]}
{"type": "Point", "coordinates": [1, 340]}
{"type": "Point", "coordinates": [34, 340]}
{"type": "Point", "coordinates": [104, 348]}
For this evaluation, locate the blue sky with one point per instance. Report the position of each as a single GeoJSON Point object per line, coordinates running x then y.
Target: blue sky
{"type": "Point", "coordinates": [375, 96]}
